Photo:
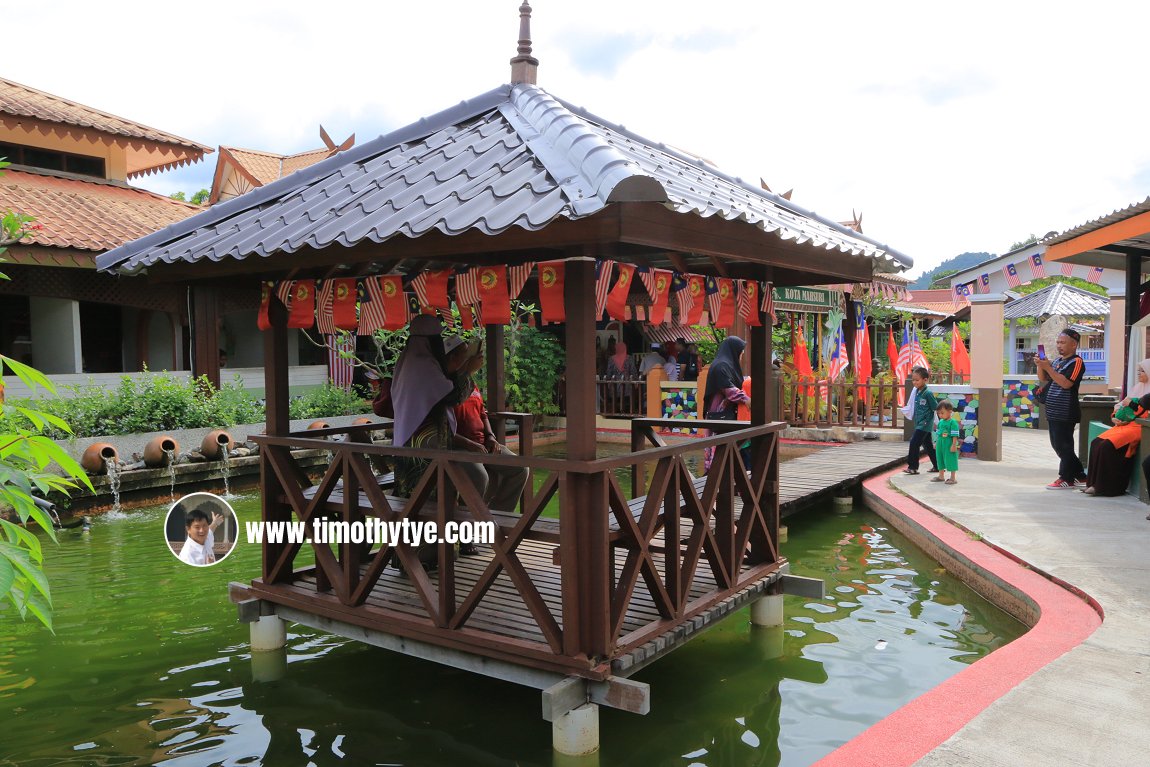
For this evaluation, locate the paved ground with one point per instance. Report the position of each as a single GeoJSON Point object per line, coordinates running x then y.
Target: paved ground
{"type": "Point", "coordinates": [1092, 705]}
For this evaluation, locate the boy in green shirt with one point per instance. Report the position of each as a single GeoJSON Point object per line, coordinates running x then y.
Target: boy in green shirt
{"type": "Point", "coordinates": [924, 406]}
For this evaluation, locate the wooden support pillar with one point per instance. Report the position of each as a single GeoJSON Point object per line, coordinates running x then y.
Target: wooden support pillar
{"type": "Point", "coordinates": [764, 409]}
{"type": "Point", "coordinates": [1133, 305]}
{"type": "Point", "coordinates": [277, 424]}
{"type": "Point", "coordinates": [206, 333]}
{"type": "Point", "coordinates": [584, 552]}
{"type": "Point", "coordinates": [496, 378]}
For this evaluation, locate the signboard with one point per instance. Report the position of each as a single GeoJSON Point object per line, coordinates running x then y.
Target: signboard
{"type": "Point", "coordinates": [803, 299]}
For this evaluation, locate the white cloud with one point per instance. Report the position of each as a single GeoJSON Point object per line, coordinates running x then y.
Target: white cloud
{"type": "Point", "coordinates": [951, 127]}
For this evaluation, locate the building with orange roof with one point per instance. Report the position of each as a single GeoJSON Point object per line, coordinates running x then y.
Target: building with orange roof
{"type": "Point", "coordinates": [241, 170]}
{"type": "Point", "coordinates": [70, 166]}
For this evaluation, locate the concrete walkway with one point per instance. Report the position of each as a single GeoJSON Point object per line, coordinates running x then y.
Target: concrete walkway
{"type": "Point", "coordinates": [1091, 706]}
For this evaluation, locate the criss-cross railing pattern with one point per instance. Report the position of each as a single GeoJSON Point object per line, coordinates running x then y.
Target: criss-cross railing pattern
{"type": "Point", "coordinates": [689, 542]}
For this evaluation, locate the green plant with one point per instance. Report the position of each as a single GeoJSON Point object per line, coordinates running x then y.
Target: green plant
{"type": "Point", "coordinates": [324, 402]}
{"type": "Point", "coordinates": [533, 362]}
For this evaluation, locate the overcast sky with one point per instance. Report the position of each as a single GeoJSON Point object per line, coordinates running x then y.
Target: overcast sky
{"type": "Point", "coordinates": [951, 126]}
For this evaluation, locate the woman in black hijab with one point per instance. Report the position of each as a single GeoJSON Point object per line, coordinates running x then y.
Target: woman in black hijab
{"type": "Point", "coordinates": [724, 389]}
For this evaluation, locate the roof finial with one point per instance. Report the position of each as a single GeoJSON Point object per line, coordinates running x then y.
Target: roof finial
{"type": "Point", "coordinates": [524, 67]}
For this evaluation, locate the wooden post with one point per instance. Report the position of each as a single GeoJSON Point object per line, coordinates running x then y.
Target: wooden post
{"type": "Point", "coordinates": [764, 409]}
{"type": "Point", "coordinates": [276, 409]}
{"type": "Point", "coordinates": [496, 379]}
{"type": "Point", "coordinates": [655, 392]}
{"type": "Point", "coordinates": [701, 390]}
{"type": "Point", "coordinates": [584, 555]}
{"type": "Point", "coordinates": [206, 332]}
{"type": "Point", "coordinates": [1133, 305]}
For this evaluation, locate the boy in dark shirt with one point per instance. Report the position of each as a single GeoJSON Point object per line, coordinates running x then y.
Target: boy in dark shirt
{"type": "Point", "coordinates": [924, 406]}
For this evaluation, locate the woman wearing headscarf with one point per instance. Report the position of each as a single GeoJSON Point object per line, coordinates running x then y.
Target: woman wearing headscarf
{"type": "Point", "coordinates": [724, 389]}
{"type": "Point", "coordinates": [424, 395]}
{"type": "Point", "coordinates": [1113, 452]}
{"type": "Point", "coordinates": [620, 365]}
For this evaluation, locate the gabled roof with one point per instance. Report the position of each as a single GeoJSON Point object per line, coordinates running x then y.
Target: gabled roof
{"type": "Point", "coordinates": [1061, 299]}
{"type": "Point", "coordinates": [86, 215]}
{"type": "Point", "coordinates": [513, 157]}
{"type": "Point", "coordinates": [20, 104]}
{"type": "Point", "coordinates": [256, 168]}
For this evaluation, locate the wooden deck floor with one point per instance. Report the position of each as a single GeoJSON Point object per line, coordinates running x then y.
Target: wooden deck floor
{"type": "Point", "coordinates": [804, 480]}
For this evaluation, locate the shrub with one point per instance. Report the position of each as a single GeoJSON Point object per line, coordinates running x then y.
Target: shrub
{"type": "Point", "coordinates": [326, 402]}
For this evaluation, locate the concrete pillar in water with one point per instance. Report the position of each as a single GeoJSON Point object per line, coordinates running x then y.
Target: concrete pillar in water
{"type": "Point", "coordinates": [767, 611]}
{"type": "Point", "coordinates": [768, 640]}
{"type": "Point", "coordinates": [268, 633]}
{"type": "Point", "coordinates": [782, 533]}
{"type": "Point", "coordinates": [269, 665]}
{"type": "Point", "coordinates": [843, 504]}
{"type": "Point", "coordinates": [576, 733]}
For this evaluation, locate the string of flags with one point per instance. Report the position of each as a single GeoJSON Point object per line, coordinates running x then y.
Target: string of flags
{"type": "Point", "coordinates": [1015, 278]}
{"type": "Point", "coordinates": [483, 296]}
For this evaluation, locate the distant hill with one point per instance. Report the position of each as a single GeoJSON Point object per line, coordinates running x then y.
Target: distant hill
{"type": "Point", "coordinates": [956, 264]}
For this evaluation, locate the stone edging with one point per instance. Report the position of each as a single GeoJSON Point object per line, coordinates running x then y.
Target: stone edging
{"type": "Point", "coordinates": [1061, 618]}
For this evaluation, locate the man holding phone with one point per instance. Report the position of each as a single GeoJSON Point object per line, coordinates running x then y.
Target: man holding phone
{"type": "Point", "coordinates": [1061, 378]}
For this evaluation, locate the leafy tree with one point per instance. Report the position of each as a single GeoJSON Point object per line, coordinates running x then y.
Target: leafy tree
{"type": "Point", "coordinates": [1078, 282]}
{"type": "Point", "coordinates": [942, 279]}
{"type": "Point", "coordinates": [199, 198]}
{"type": "Point", "coordinates": [1033, 238]}
{"type": "Point", "coordinates": [26, 455]}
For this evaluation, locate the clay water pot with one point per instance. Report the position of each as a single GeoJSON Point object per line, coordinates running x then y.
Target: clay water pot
{"type": "Point", "coordinates": [317, 425]}
{"type": "Point", "coordinates": [362, 422]}
{"type": "Point", "coordinates": [155, 452]}
{"type": "Point", "coordinates": [93, 458]}
{"type": "Point", "coordinates": [213, 444]}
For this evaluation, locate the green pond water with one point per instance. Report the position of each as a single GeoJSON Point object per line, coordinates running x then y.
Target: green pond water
{"type": "Point", "coordinates": [149, 666]}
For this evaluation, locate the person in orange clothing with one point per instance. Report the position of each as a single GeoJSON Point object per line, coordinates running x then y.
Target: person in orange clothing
{"type": "Point", "coordinates": [1113, 452]}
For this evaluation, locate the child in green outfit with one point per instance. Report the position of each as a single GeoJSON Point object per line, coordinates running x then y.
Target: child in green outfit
{"type": "Point", "coordinates": [947, 436]}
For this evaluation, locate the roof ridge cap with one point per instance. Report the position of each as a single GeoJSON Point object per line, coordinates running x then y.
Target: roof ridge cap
{"type": "Point", "coordinates": [564, 142]}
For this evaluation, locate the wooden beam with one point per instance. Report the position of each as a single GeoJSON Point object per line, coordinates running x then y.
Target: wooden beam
{"type": "Point", "coordinates": [205, 332]}
{"type": "Point", "coordinates": [1135, 226]}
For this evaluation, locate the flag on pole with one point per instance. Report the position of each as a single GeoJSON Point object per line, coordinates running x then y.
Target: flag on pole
{"type": "Point", "coordinates": [891, 349]}
{"type": "Point", "coordinates": [898, 363]}
{"type": "Point", "coordinates": [1036, 267]}
{"type": "Point", "coordinates": [1094, 277]}
{"type": "Point", "coordinates": [551, 275]}
{"type": "Point", "coordinates": [984, 283]}
{"type": "Point", "coordinates": [903, 366]}
{"type": "Point", "coordinates": [917, 358]}
{"type": "Point", "coordinates": [1011, 274]}
{"type": "Point", "coordinates": [1067, 269]}
{"type": "Point", "coordinates": [602, 286]}
{"type": "Point", "coordinates": [802, 360]}
{"type": "Point", "coordinates": [839, 361]}
{"type": "Point", "coordinates": [959, 357]}
{"type": "Point", "coordinates": [862, 350]}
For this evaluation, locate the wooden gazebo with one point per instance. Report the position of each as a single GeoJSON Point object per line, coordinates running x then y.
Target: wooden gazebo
{"type": "Point", "coordinates": [510, 177]}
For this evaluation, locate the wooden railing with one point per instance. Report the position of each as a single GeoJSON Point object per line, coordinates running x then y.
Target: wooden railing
{"type": "Point", "coordinates": [675, 528]}
{"type": "Point", "coordinates": [823, 404]}
{"type": "Point", "coordinates": [614, 397]}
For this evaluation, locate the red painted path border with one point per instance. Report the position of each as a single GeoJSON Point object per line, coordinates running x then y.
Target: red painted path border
{"type": "Point", "coordinates": [920, 726]}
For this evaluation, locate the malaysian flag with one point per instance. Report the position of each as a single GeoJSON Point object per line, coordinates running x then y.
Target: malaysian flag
{"type": "Point", "coordinates": [1036, 267]}
{"type": "Point", "coordinates": [284, 292]}
{"type": "Point", "coordinates": [769, 302]}
{"type": "Point", "coordinates": [839, 361]}
{"type": "Point", "coordinates": [917, 358]}
{"type": "Point", "coordinates": [713, 298]}
{"type": "Point", "coordinates": [961, 290]}
{"type": "Point", "coordinates": [1011, 275]}
{"type": "Point", "coordinates": [903, 366]}
{"type": "Point", "coordinates": [602, 286]}
{"type": "Point", "coordinates": [1067, 269]}
{"type": "Point", "coordinates": [647, 275]}
{"type": "Point", "coordinates": [371, 311]}
{"type": "Point", "coordinates": [340, 350]}
{"type": "Point", "coordinates": [324, 321]}
{"type": "Point", "coordinates": [1095, 275]}
{"type": "Point", "coordinates": [517, 277]}
{"type": "Point", "coordinates": [679, 286]}
{"type": "Point", "coordinates": [984, 283]}
{"type": "Point", "coordinates": [467, 294]}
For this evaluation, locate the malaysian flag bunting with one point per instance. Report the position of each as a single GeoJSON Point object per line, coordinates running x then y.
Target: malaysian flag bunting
{"type": "Point", "coordinates": [551, 274]}
{"type": "Point", "coordinates": [1036, 267]}
{"type": "Point", "coordinates": [1011, 275]}
{"type": "Point", "coordinates": [661, 280]}
{"type": "Point", "coordinates": [343, 304]}
{"type": "Point", "coordinates": [768, 306]}
{"type": "Point", "coordinates": [602, 286]}
{"type": "Point", "coordinates": [984, 283]}
{"type": "Point", "coordinates": [1067, 269]}
{"type": "Point", "coordinates": [371, 313]}
{"type": "Point", "coordinates": [324, 321]}
{"type": "Point", "coordinates": [262, 321]}
{"type": "Point", "coordinates": [679, 287]}
{"type": "Point", "coordinates": [712, 290]}
{"type": "Point", "coordinates": [749, 301]}
{"type": "Point", "coordinates": [302, 313]}
{"type": "Point", "coordinates": [617, 298]}
{"type": "Point", "coordinates": [1095, 275]}
{"type": "Point", "coordinates": [647, 275]}
{"type": "Point", "coordinates": [517, 277]}
{"type": "Point", "coordinates": [339, 362]}
{"type": "Point", "coordinates": [494, 301]}
{"type": "Point", "coordinates": [467, 296]}
{"type": "Point", "coordinates": [431, 290]}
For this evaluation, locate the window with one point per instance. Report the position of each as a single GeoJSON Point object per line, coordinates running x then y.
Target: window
{"type": "Point", "coordinates": [49, 159]}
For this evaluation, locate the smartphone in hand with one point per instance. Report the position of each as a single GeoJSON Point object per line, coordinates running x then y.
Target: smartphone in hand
{"type": "Point", "coordinates": [1041, 351]}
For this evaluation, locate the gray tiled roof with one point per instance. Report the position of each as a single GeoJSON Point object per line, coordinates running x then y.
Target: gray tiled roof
{"type": "Point", "coordinates": [1059, 298]}
{"type": "Point", "coordinates": [515, 156]}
